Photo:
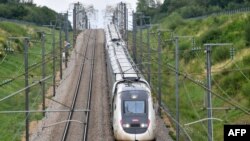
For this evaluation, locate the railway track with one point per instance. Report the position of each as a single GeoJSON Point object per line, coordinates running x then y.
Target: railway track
{"type": "Point", "coordinates": [85, 135]}
{"type": "Point", "coordinates": [95, 124]}
{"type": "Point", "coordinates": [99, 127]}
{"type": "Point", "coordinates": [72, 126]}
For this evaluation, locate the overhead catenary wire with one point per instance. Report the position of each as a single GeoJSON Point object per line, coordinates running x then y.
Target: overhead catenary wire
{"type": "Point", "coordinates": [187, 76]}
{"type": "Point", "coordinates": [31, 68]}
{"type": "Point", "coordinates": [242, 73]}
{"type": "Point", "coordinates": [29, 86]}
{"type": "Point", "coordinates": [192, 104]}
{"type": "Point", "coordinates": [243, 109]}
{"type": "Point", "coordinates": [20, 127]}
{"type": "Point", "coordinates": [17, 72]}
{"type": "Point", "coordinates": [181, 127]}
{"type": "Point", "coordinates": [23, 63]}
{"type": "Point", "coordinates": [49, 53]}
{"type": "Point", "coordinates": [238, 106]}
{"type": "Point", "coordinates": [217, 70]}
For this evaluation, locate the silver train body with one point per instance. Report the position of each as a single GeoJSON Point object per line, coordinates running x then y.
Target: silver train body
{"type": "Point", "coordinates": [133, 115]}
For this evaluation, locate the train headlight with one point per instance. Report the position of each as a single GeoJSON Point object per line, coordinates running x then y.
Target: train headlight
{"type": "Point", "coordinates": [144, 125]}
{"type": "Point", "coordinates": [134, 96]}
{"type": "Point", "coordinates": [126, 125]}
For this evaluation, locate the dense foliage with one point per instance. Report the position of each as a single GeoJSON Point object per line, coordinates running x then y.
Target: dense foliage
{"type": "Point", "coordinates": [190, 8]}
{"type": "Point", "coordinates": [148, 7]}
{"type": "Point", "coordinates": [26, 11]}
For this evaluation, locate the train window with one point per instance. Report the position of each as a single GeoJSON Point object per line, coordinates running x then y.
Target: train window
{"type": "Point", "coordinates": [134, 107]}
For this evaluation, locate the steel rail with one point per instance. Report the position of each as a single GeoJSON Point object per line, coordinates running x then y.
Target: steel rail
{"type": "Point", "coordinates": [66, 129]}
{"type": "Point", "coordinates": [85, 134]}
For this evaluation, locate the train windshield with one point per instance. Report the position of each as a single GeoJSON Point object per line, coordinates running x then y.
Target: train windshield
{"type": "Point", "coordinates": [134, 107]}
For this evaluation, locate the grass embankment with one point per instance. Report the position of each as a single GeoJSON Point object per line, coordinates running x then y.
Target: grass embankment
{"type": "Point", "coordinates": [12, 65]}
{"type": "Point", "coordinates": [230, 78]}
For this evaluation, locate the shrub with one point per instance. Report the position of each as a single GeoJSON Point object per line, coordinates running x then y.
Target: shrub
{"type": "Point", "coordinates": [246, 89]}
{"type": "Point", "coordinates": [192, 11]}
{"type": "Point", "coordinates": [246, 60]}
{"type": "Point", "coordinates": [220, 54]}
{"type": "Point", "coordinates": [247, 32]}
{"type": "Point", "coordinates": [212, 35]}
{"type": "Point", "coordinates": [232, 83]}
{"type": "Point", "coordinates": [213, 9]}
{"type": "Point", "coordinates": [27, 12]}
{"type": "Point", "coordinates": [12, 11]}
{"type": "Point", "coordinates": [175, 20]}
{"type": "Point", "coordinates": [186, 51]}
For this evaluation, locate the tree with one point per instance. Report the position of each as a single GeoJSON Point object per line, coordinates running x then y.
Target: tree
{"type": "Point", "coordinates": [152, 3]}
{"type": "Point", "coordinates": [141, 6]}
{"type": "Point", "coordinates": [158, 3]}
{"type": "Point", "coordinates": [165, 6]}
{"type": "Point", "coordinates": [13, 1]}
{"type": "Point", "coordinates": [3, 1]}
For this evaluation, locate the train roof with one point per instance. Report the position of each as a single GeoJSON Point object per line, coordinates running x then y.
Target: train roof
{"type": "Point", "coordinates": [121, 63]}
{"type": "Point", "coordinates": [113, 33]}
{"type": "Point", "coordinates": [120, 60]}
{"type": "Point", "coordinates": [132, 87]}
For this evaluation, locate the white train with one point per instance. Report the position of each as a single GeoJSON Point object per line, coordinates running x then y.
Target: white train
{"type": "Point", "coordinates": [133, 115]}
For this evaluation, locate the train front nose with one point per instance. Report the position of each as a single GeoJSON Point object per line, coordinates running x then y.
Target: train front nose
{"type": "Point", "coordinates": [135, 120]}
{"type": "Point", "coordinates": [135, 125]}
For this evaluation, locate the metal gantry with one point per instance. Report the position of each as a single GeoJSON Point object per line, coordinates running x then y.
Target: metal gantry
{"type": "Point", "coordinates": [208, 48]}
{"type": "Point", "coordinates": [26, 70]}
{"type": "Point", "coordinates": [176, 38]}
{"type": "Point", "coordinates": [159, 71]}
{"type": "Point", "coordinates": [80, 20]}
{"type": "Point", "coordinates": [43, 69]}
{"type": "Point", "coordinates": [120, 18]}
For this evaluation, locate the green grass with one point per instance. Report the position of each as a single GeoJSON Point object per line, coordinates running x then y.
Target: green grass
{"type": "Point", "coordinates": [226, 81]}
{"type": "Point", "coordinates": [13, 125]}
{"type": "Point", "coordinates": [12, 28]}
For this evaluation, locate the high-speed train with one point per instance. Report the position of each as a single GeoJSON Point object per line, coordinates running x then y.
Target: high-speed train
{"type": "Point", "coordinates": [133, 115]}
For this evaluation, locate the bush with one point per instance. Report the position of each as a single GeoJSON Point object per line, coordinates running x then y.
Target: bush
{"type": "Point", "coordinates": [232, 83]}
{"type": "Point", "coordinates": [27, 12]}
{"type": "Point", "coordinates": [246, 89]}
{"type": "Point", "coordinates": [220, 54]}
{"type": "Point", "coordinates": [246, 60]}
{"type": "Point", "coordinates": [175, 20]}
{"type": "Point", "coordinates": [192, 11]}
{"type": "Point", "coordinates": [247, 32]}
{"type": "Point", "coordinates": [212, 35]}
{"type": "Point", "coordinates": [186, 51]}
{"type": "Point", "coordinates": [213, 9]}
{"type": "Point", "coordinates": [12, 11]}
